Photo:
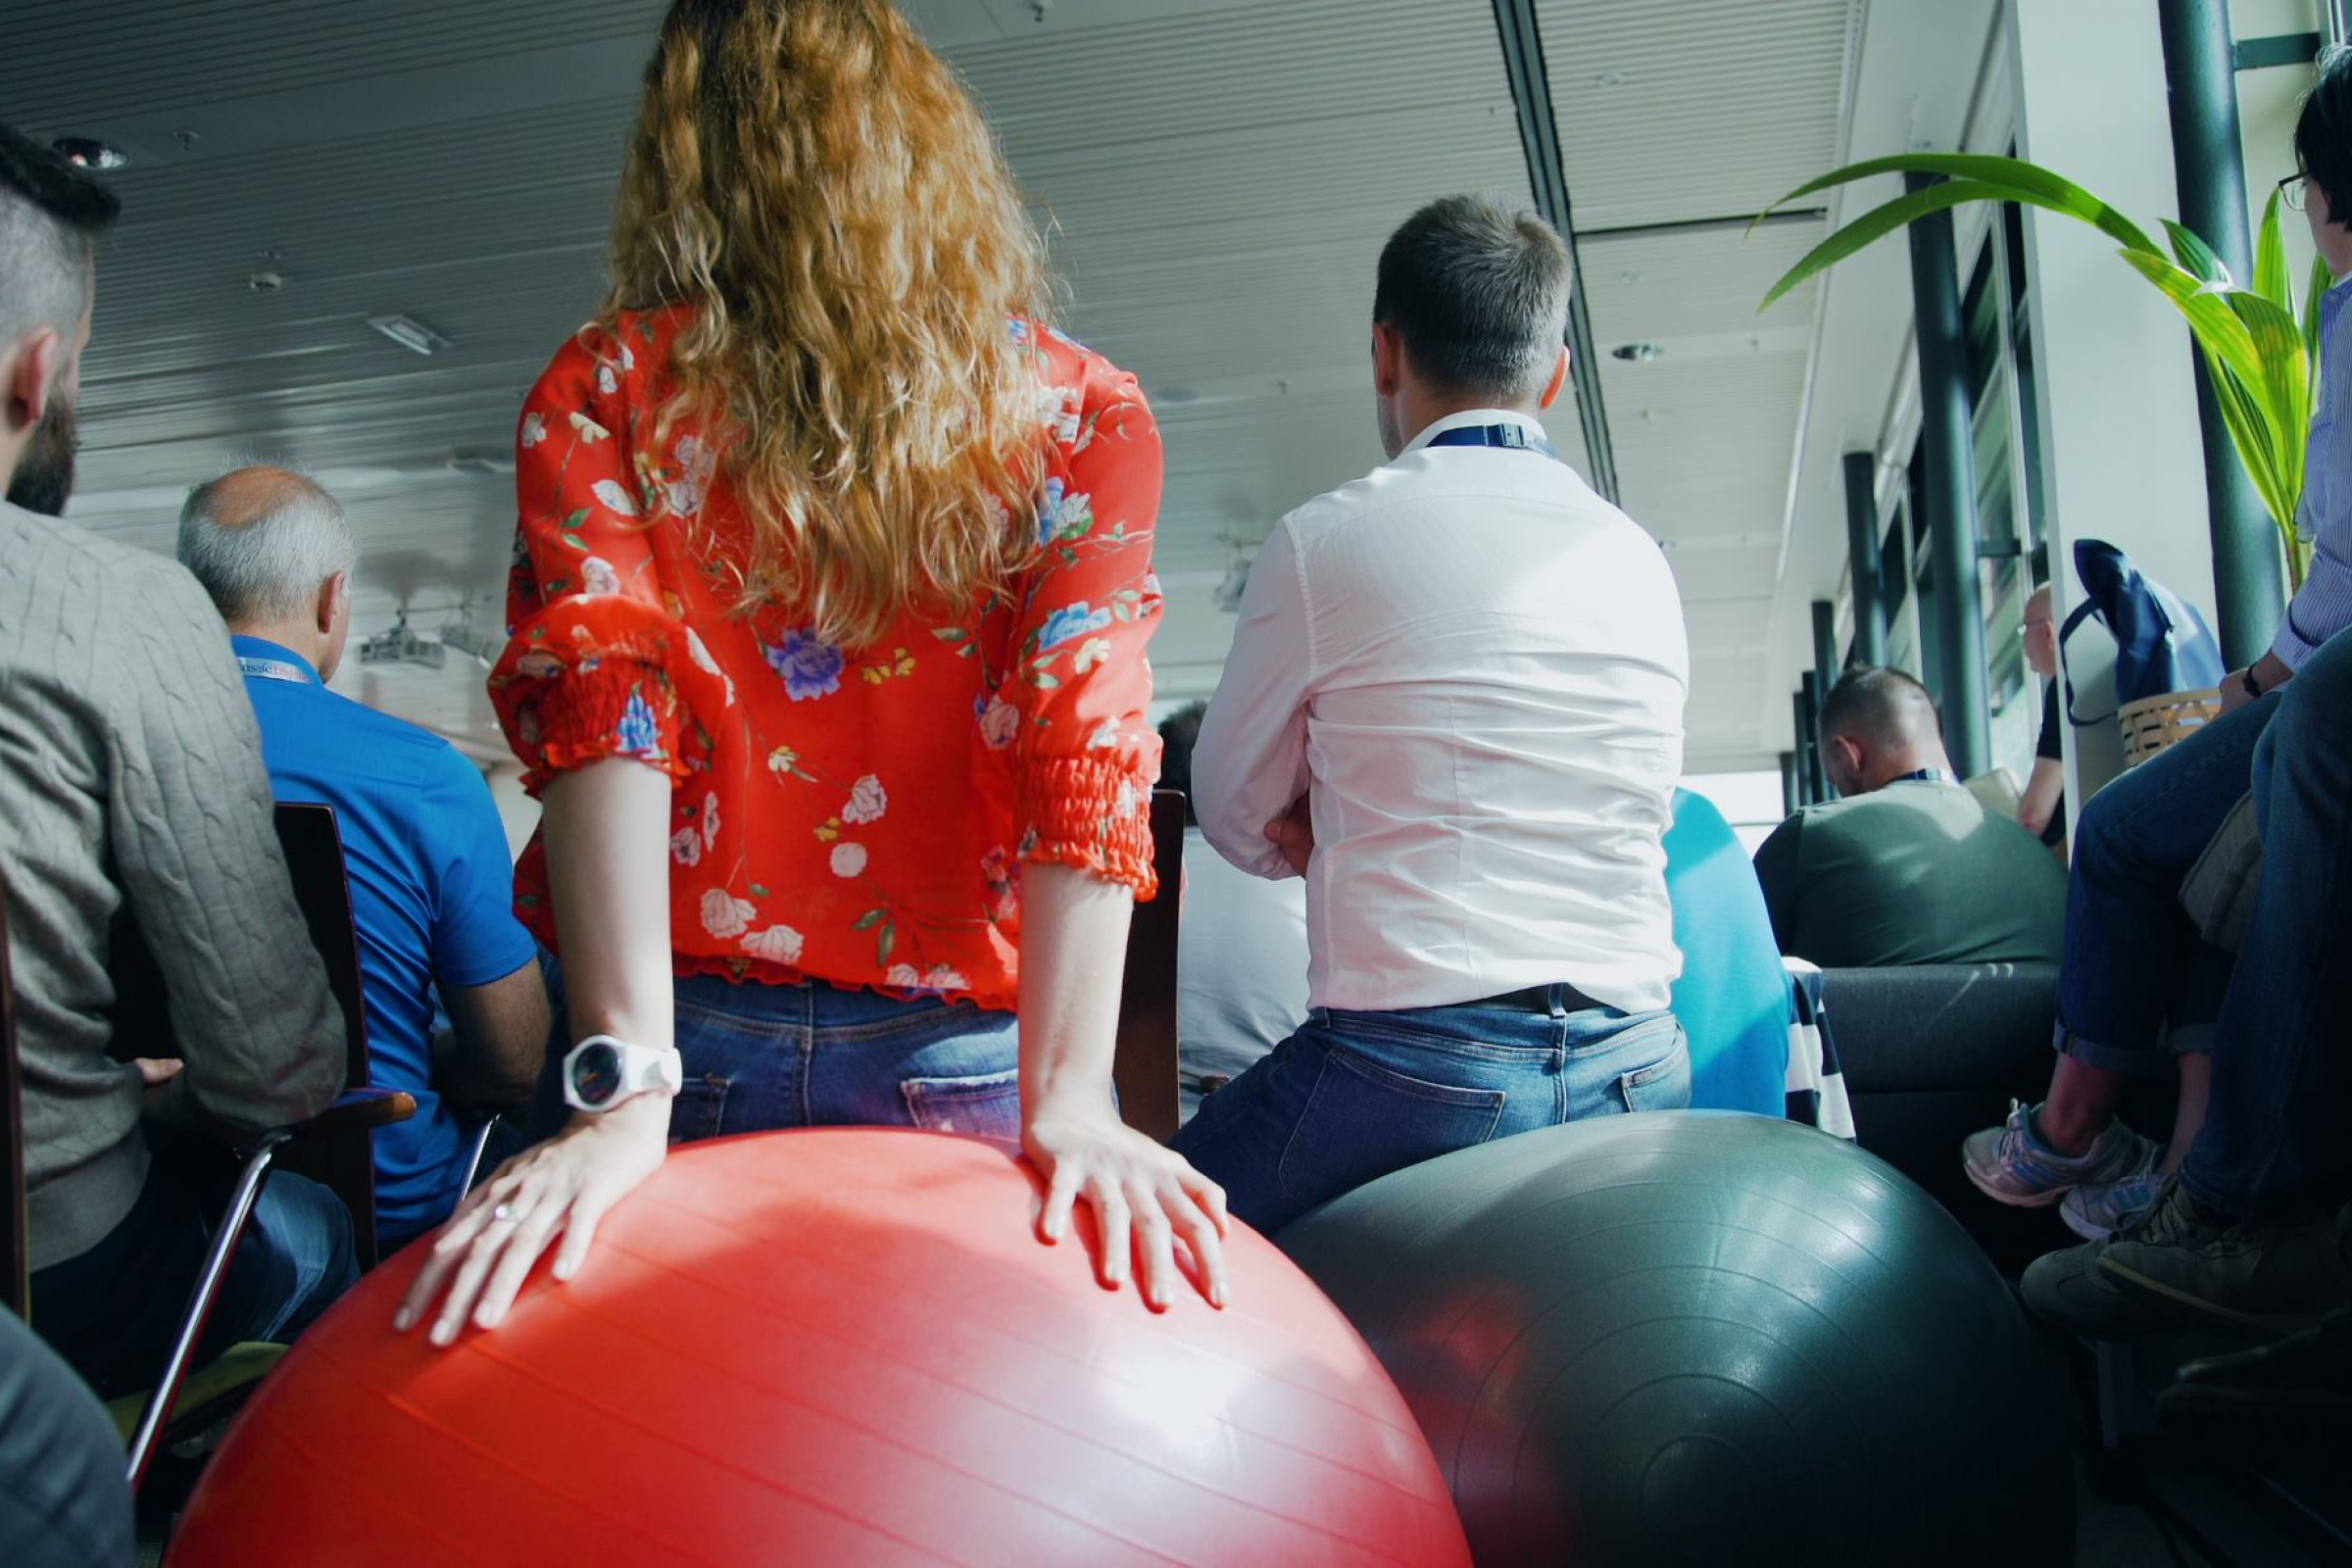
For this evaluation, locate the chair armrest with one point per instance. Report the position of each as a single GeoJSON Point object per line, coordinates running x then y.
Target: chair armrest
{"type": "Point", "coordinates": [358, 1107]}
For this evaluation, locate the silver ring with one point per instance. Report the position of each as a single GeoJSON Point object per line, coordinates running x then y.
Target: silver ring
{"type": "Point", "coordinates": [503, 1214]}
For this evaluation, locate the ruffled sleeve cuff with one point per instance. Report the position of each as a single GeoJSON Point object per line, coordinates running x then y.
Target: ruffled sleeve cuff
{"type": "Point", "coordinates": [596, 677]}
{"type": "Point", "coordinates": [1094, 816]}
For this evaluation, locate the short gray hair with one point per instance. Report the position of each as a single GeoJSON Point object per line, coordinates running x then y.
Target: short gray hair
{"type": "Point", "coordinates": [263, 540]}
{"type": "Point", "coordinates": [1477, 289]}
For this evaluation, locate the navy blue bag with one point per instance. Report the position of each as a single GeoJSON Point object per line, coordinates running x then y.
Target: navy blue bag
{"type": "Point", "coordinates": [2161, 643]}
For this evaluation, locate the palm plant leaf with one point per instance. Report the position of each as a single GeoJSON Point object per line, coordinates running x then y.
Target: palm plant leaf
{"type": "Point", "coordinates": [2270, 261]}
{"type": "Point", "coordinates": [1877, 224]}
{"type": "Point", "coordinates": [2194, 255]}
{"type": "Point", "coordinates": [2017, 179]}
{"type": "Point", "coordinates": [2218, 328]}
{"type": "Point", "coordinates": [2315, 290]}
{"type": "Point", "coordinates": [2247, 433]}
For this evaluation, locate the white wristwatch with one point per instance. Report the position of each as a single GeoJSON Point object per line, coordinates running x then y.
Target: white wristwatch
{"type": "Point", "coordinates": [601, 1072]}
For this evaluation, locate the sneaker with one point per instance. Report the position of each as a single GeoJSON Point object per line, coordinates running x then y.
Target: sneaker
{"type": "Point", "coordinates": [2066, 1288]}
{"type": "Point", "coordinates": [2248, 1276]}
{"type": "Point", "coordinates": [2096, 1213]}
{"type": "Point", "coordinates": [2011, 1165]}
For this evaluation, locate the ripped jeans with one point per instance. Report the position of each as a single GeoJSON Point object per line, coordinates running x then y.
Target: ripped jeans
{"type": "Point", "coordinates": [762, 1056]}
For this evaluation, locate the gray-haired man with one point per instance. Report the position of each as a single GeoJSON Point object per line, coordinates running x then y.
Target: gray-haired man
{"type": "Point", "coordinates": [431, 883]}
{"type": "Point", "coordinates": [1456, 702]}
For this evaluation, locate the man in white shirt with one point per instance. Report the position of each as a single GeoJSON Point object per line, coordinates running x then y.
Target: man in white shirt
{"type": "Point", "coordinates": [1456, 702]}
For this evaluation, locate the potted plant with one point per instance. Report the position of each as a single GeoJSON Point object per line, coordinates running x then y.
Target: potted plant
{"type": "Point", "coordinates": [2261, 354]}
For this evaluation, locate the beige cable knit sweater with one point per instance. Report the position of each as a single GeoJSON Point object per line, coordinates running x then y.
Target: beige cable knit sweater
{"type": "Point", "coordinates": [131, 779]}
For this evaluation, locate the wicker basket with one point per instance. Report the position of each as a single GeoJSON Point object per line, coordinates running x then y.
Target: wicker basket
{"type": "Point", "coordinates": [2153, 723]}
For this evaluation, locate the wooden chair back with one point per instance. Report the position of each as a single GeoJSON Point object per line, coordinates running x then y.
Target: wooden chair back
{"type": "Point", "coordinates": [1143, 1068]}
{"type": "Point", "coordinates": [15, 1241]}
{"type": "Point", "coordinates": [313, 850]}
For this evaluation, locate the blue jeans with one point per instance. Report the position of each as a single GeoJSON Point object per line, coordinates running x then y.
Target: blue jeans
{"type": "Point", "coordinates": [761, 1056]}
{"type": "Point", "coordinates": [1353, 1096]}
{"type": "Point", "coordinates": [112, 1311]}
{"type": "Point", "coordinates": [2274, 1132]}
{"type": "Point", "coordinates": [2133, 960]}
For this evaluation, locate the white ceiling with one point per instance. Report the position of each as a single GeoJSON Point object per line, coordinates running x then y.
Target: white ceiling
{"type": "Point", "coordinates": [1218, 173]}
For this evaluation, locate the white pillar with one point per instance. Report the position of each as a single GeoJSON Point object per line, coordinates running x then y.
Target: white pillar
{"type": "Point", "coordinates": [2120, 456]}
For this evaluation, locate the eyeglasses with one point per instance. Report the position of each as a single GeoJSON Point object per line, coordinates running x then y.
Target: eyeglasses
{"type": "Point", "coordinates": [2290, 190]}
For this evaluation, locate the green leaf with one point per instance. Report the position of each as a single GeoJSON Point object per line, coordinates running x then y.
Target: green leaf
{"type": "Point", "coordinates": [2207, 307]}
{"type": "Point", "coordinates": [2247, 433]}
{"type": "Point", "coordinates": [950, 634]}
{"type": "Point", "coordinates": [868, 920]}
{"type": "Point", "coordinates": [577, 518]}
{"type": "Point", "coordinates": [2015, 180]}
{"type": "Point", "coordinates": [758, 891]}
{"type": "Point", "coordinates": [2270, 259]}
{"type": "Point", "coordinates": [576, 542]}
{"type": "Point", "coordinates": [886, 941]}
{"type": "Point", "coordinates": [1044, 682]}
{"type": "Point", "coordinates": [1876, 225]}
{"type": "Point", "coordinates": [2314, 291]}
{"type": "Point", "coordinates": [2195, 256]}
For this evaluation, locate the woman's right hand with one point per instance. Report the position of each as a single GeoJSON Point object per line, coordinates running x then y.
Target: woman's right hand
{"type": "Point", "coordinates": [563, 1187]}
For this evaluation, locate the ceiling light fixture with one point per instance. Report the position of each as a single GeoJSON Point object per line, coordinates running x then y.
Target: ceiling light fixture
{"type": "Point", "coordinates": [1638, 352]}
{"type": "Point", "coordinates": [409, 333]}
{"type": "Point", "coordinates": [89, 152]}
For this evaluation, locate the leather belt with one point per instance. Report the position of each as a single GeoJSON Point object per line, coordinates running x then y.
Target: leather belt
{"type": "Point", "coordinates": [1537, 999]}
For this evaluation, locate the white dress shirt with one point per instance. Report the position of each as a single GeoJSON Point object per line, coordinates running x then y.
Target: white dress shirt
{"type": "Point", "coordinates": [1476, 668]}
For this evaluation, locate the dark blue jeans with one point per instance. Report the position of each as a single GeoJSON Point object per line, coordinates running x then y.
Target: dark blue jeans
{"type": "Point", "coordinates": [112, 1311]}
{"type": "Point", "coordinates": [2133, 959]}
{"type": "Point", "coordinates": [1353, 1096]}
{"type": "Point", "coordinates": [2275, 1133]}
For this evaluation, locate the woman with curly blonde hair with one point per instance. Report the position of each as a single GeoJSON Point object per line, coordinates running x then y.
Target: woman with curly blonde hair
{"type": "Point", "coordinates": [830, 597]}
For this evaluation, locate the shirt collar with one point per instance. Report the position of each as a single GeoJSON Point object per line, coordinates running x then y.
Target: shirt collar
{"type": "Point", "coordinates": [1470, 416]}
{"type": "Point", "coordinates": [264, 647]}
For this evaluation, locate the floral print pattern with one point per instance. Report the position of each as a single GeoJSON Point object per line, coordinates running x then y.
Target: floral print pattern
{"type": "Point", "coordinates": [843, 814]}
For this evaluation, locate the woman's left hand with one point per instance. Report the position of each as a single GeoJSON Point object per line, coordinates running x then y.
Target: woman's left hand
{"type": "Point", "coordinates": [1143, 1197]}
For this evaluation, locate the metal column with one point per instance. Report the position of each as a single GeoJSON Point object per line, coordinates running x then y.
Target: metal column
{"type": "Point", "coordinates": [1862, 552]}
{"type": "Point", "coordinates": [1826, 662]}
{"type": "Point", "coordinates": [1950, 491]}
{"type": "Point", "coordinates": [2201, 74]}
{"type": "Point", "coordinates": [1812, 781]}
{"type": "Point", "coordinates": [1540, 141]}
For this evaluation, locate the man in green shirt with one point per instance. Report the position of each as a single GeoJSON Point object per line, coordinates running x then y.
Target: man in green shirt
{"type": "Point", "coordinates": [1907, 867]}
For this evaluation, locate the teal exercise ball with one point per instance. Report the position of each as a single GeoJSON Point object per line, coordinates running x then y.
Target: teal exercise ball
{"type": "Point", "coordinates": [1700, 1337]}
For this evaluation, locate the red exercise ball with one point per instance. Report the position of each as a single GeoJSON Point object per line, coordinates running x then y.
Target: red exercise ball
{"type": "Point", "coordinates": [836, 1346]}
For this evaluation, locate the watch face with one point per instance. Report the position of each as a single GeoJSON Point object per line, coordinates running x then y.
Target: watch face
{"type": "Point", "coordinates": [596, 1074]}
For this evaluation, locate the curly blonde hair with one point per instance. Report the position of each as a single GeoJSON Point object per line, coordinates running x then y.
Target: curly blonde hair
{"type": "Point", "coordinates": [818, 187]}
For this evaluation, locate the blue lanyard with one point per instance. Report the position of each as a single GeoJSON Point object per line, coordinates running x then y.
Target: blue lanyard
{"type": "Point", "coordinates": [1515, 436]}
{"type": "Point", "coordinates": [273, 669]}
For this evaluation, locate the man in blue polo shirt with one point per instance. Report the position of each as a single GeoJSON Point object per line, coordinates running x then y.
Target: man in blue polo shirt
{"type": "Point", "coordinates": [431, 881]}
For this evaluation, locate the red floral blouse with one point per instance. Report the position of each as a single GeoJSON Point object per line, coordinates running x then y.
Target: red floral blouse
{"type": "Point", "coordinates": [850, 814]}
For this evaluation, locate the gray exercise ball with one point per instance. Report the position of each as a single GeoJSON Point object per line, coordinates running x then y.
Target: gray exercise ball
{"type": "Point", "coordinates": [1700, 1337]}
